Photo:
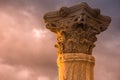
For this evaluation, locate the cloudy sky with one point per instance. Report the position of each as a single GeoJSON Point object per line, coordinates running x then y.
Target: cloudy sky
{"type": "Point", "coordinates": [27, 48]}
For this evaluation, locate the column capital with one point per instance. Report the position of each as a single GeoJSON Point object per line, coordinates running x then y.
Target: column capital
{"type": "Point", "coordinates": [76, 27]}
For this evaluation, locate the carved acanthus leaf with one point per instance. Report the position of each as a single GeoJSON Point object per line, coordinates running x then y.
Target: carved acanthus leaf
{"type": "Point", "coordinates": [76, 27]}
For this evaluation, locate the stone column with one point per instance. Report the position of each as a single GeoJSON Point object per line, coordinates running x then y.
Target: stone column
{"type": "Point", "coordinates": [76, 28]}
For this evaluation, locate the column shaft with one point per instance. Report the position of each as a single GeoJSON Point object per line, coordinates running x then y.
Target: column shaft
{"type": "Point", "coordinates": [76, 66]}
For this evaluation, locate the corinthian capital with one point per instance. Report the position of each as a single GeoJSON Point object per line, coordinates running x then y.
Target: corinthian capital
{"type": "Point", "coordinates": [76, 27]}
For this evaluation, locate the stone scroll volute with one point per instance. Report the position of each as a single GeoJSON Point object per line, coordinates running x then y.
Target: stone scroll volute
{"type": "Point", "coordinates": [76, 27]}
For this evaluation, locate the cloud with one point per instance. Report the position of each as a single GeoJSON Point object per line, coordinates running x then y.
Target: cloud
{"type": "Point", "coordinates": [8, 72]}
{"type": "Point", "coordinates": [21, 47]}
{"type": "Point", "coordinates": [27, 48]}
{"type": "Point", "coordinates": [107, 57]}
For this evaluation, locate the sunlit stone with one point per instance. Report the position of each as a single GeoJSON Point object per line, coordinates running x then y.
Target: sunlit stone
{"type": "Point", "coordinates": [76, 28]}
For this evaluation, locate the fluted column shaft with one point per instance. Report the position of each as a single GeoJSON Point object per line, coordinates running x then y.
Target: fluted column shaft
{"type": "Point", "coordinates": [76, 66]}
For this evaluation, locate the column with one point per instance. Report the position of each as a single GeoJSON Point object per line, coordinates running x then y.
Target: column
{"type": "Point", "coordinates": [76, 28]}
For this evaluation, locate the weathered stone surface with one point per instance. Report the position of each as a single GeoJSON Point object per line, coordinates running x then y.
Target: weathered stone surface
{"type": "Point", "coordinates": [76, 27]}
{"type": "Point", "coordinates": [76, 66]}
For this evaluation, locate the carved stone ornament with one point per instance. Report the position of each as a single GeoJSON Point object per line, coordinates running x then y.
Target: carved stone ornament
{"type": "Point", "coordinates": [76, 27]}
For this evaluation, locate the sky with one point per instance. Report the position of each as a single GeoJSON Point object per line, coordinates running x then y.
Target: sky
{"type": "Point", "coordinates": [27, 49]}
